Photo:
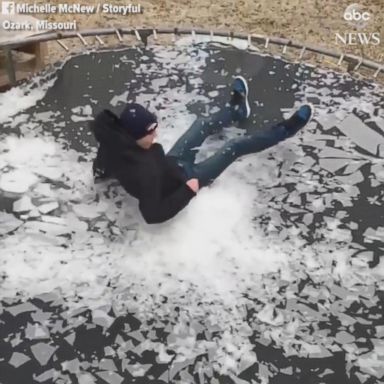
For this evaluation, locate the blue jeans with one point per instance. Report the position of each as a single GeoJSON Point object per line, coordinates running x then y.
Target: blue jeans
{"type": "Point", "coordinates": [208, 170]}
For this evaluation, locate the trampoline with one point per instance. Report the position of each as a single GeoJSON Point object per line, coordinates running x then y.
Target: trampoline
{"type": "Point", "coordinates": [271, 275]}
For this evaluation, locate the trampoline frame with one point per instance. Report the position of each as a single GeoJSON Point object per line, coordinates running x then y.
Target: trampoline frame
{"type": "Point", "coordinates": [142, 34]}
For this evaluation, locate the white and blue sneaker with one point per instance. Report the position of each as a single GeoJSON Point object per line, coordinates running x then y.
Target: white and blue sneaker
{"type": "Point", "coordinates": [299, 119]}
{"type": "Point", "coordinates": [239, 97]}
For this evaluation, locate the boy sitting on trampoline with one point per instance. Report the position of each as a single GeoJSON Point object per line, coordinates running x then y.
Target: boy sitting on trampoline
{"type": "Point", "coordinates": [165, 183]}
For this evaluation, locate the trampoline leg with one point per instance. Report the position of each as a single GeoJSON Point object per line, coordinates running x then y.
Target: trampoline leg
{"type": "Point", "coordinates": [10, 66]}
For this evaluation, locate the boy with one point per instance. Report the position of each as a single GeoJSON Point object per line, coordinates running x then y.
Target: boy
{"type": "Point", "coordinates": [165, 183]}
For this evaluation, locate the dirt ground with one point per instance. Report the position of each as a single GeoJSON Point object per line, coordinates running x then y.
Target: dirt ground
{"type": "Point", "coordinates": [306, 21]}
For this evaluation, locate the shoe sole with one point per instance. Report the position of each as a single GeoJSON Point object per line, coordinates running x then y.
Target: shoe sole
{"type": "Point", "coordinates": [312, 107]}
{"type": "Point", "coordinates": [246, 94]}
{"type": "Point", "coordinates": [312, 112]}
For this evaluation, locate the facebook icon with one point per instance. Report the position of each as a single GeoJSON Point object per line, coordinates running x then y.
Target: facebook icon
{"type": "Point", "coordinates": [8, 8]}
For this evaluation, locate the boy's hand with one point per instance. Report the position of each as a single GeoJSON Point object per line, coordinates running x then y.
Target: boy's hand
{"type": "Point", "coordinates": [193, 184]}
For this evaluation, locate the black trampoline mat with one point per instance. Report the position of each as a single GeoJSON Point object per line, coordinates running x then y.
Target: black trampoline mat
{"type": "Point", "coordinates": [316, 322]}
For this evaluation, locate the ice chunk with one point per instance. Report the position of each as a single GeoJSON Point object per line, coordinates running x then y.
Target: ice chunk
{"type": "Point", "coordinates": [107, 365]}
{"type": "Point", "coordinates": [8, 223]}
{"type": "Point", "coordinates": [372, 234]}
{"type": "Point", "coordinates": [23, 205]}
{"type": "Point", "coordinates": [49, 207]}
{"type": "Point", "coordinates": [101, 318]}
{"type": "Point", "coordinates": [43, 352]}
{"type": "Point", "coordinates": [18, 359]}
{"type": "Point", "coordinates": [335, 153]}
{"type": "Point", "coordinates": [86, 378]}
{"type": "Point", "coordinates": [266, 315]}
{"type": "Point", "coordinates": [380, 330]}
{"type": "Point", "coordinates": [163, 356]}
{"type": "Point", "coordinates": [72, 366]}
{"type": "Point", "coordinates": [352, 179]}
{"type": "Point", "coordinates": [159, 83]}
{"type": "Point", "coordinates": [52, 173]}
{"type": "Point", "coordinates": [87, 211]}
{"type": "Point", "coordinates": [47, 297]}
{"type": "Point", "coordinates": [333, 165]}
{"type": "Point", "coordinates": [43, 189]}
{"type": "Point", "coordinates": [119, 99]}
{"type": "Point", "coordinates": [369, 363]}
{"type": "Point", "coordinates": [53, 219]}
{"type": "Point", "coordinates": [33, 214]}
{"type": "Point", "coordinates": [40, 316]}
{"type": "Point", "coordinates": [213, 93]}
{"type": "Point", "coordinates": [343, 337]}
{"type": "Point", "coordinates": [380, 150]}
{"type": "Point", "coordinates": [36, 331]}
{"type": "Point", "coordinates": [137, 370]}
{"type": "Point", "coordinates": [82, 110]}
{"type": "Point", "coordinates": [353, 167]}
{"type": "Point", "coordinates": [110, 377]}
{"type": "Point", "coordinates": [71, 338]}
{"type": "Point", "coordinates": [21, 308]}
{"type": "Point", "coordinates": [49, 228]}
{"type": "Point", "coordinates": [310, 349]}
{"type": "Point", "coordinates": [84, 113]}
{"type": "Point", "coordinates": [17, 181]}
{"type": "Point", "coordinates": [361, 134]}
{"type": "Point", "coordinates": [48, 375]}
{"type": "Point", "coordinates": [77, 118]}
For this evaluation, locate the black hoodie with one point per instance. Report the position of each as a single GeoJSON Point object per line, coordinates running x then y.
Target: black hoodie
{"type": "Point", "coordinates": [147, 174]}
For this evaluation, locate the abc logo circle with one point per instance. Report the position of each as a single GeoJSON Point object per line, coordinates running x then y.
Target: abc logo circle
{"type": "Point", "coordinates": [355, 15]}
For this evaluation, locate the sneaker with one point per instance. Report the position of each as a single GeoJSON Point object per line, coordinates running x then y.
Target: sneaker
{"type": "Point", "coordinates": [240, 96]}
{"type": "Point", "coordinates": [299, 119]}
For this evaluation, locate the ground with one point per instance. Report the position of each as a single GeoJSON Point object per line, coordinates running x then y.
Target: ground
{"type": "Point", "coordinates": [309, 21]}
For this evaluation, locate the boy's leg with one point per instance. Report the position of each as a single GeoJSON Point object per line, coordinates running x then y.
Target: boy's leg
{"type": "Point", "coordinates": [209, 169]}
{"type": "Point", "coordinates": [238, 109]}
{"type": "Point", "coordinates": [186, 147]}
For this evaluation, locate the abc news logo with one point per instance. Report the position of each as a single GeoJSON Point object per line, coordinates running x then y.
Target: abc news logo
{"type": "Point", "coordinates": [354, 15]}
{"type": "Point", "coordinates": [358, 19]}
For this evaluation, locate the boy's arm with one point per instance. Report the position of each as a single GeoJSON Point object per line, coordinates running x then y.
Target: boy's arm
{"type": "Point", "coordinates": [156, 209]}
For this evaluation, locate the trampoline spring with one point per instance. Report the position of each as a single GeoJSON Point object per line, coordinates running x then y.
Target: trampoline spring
{"type": "Point", "coordinates": [118, 35]}
{"type": "Point", "coordinates": [249, 41]}
{"type": "Point", "coordinates": [340, 60]}
{"type": "Point", "coordinates": [358, 64]}
{"type": "Point", "coordinates": [99, 40]}
{"type": "Point", "coordinates": [285, 48]}
{"type": "Point", "coordinates": [193, 36]}
{"type": "Point", "coordinates": [137, 35]}
{"type": "Point", "coordinates": [62, 45]}
{"type": "Point", "coordinates": [302, 53]}
{"type": "Point", "coordinates": [211, 35]}
{"type": "Point", "coordinates": [155, 34]}
{"type": "Point", "coordinates": [175, 33]}
{"type": "Point", "coordinates": [81, 38]}
{"type": "Point", "coordinates": [377, 72]}
{"type": "Point", "coordinates": [266, 42]}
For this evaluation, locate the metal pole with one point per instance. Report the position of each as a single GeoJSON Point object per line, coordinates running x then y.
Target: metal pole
{"type": "Point", "coordinates": [10, 67]}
